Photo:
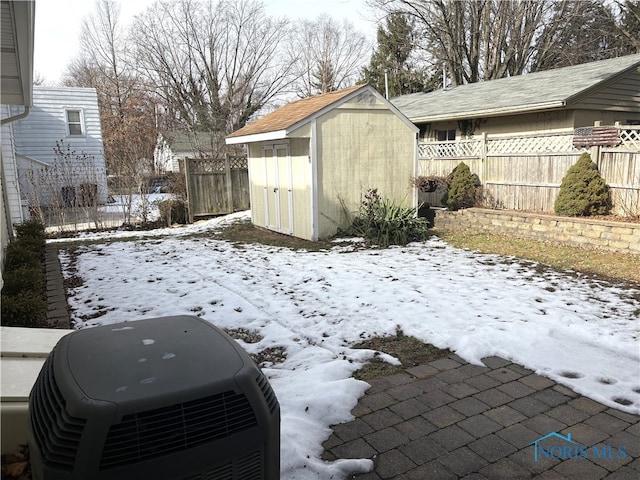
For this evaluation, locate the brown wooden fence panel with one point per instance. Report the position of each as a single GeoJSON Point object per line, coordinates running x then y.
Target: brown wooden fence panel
{"type": "Point", "coordinates": [216, 186]}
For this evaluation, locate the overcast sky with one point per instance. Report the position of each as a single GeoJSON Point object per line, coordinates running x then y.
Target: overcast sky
{"type": "Point", "coordinates": [58, 25]}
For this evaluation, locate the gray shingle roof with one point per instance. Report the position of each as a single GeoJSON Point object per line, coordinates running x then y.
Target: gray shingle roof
{"type": "Point", "coordinates": [534, 91]}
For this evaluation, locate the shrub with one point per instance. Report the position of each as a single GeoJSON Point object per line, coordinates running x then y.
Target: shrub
{"type": "Point", "coordinates": [383, 222]}
{"type": "Point", "coordinates": [26, 309]}
{"type": "Point", "coordinates": [583, 191]}
{"type": "Point", "coordinates": [463, 186]}
{"type": "Point", "coordinates": [22, 279]}
{"type": "Point", "coordinates": [20, 255]}
{"type": "Point", "coordinates": [31, 230]}
{"type": "Point", "coordinates": [173, 211]}
{"type": "Point", "coordinates": [23, 294]}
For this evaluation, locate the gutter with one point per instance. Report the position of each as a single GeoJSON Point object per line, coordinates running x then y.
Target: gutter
{"type": "Point", "coordinates": [492, 112]}
{"type": "Point", "coordinates": [16, 117]}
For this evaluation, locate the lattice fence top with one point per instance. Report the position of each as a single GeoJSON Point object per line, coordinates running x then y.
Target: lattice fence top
{"type": "Point", "coordinates": [454, 149]}
{"type": "Point", "coordinates": [238, 163]}
{"type": "Point", "coordinates": [630, 137]}
{"type": "Point", "coordinates": [522, 145]}
{"type": "Point", "coordinates": [529, 145]}
{"type": "Point", "coordinates": [217, 165]}
{"type": "Point", "coordinates": [207, 165]}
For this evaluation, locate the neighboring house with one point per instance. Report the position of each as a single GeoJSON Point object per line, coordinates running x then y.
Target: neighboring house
{"type": "Point", "coordinates": [312, 161]}
{"type": "Point", "coordinates": [16, 80]}
{"type": "Point", "coordinates": [173, 147]}
{"type": "Point", "coordinates": [66, 118]}
{"type": "Point", "coordinates": [517, 133]}
{"type": "Point", "coordinates": [607, 91]}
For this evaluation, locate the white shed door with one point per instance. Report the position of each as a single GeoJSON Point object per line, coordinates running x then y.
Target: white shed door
{"type": "Point", "coordinates": [278, 192]}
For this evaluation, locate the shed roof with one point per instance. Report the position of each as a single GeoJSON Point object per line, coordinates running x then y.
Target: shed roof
{"type": "Point", "coordinates": [292, 113]}
{"type": "Point", "coordinates": [288, 118]}
{"type": "Point", "coordinates": [536, 91]}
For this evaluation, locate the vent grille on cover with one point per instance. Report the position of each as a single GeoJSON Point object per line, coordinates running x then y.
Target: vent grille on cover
{"type": "Point", "coordinates": [162, 431]}
{"type": "Point", "coordinates": [56, 432]}
{"type": "Point", "coordinates": [267, 391]}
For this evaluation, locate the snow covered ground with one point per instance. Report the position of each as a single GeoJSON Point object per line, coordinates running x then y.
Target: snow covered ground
{"type": "Point", "coordinates": [580, 332]}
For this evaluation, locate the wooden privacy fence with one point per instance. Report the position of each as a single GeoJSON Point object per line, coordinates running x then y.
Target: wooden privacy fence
{"type": "Point", "coordinates": [525, 172]}
{"type": "Point", "coordinates": [216, 186]}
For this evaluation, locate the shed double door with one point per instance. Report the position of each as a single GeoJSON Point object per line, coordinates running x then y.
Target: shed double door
{"type": "Point", "coordinates": [278, 191]}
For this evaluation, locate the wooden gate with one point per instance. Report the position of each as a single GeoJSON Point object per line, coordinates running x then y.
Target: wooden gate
{"type": "Point", "coordinates": [216, 186]}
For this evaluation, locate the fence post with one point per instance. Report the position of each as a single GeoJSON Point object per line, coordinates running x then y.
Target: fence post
{"type": "Point", "coordinates": [227, 182]}
{"type": "Point", "coordinates": [484, 148]}
{"type": "Point", "coordinates": [187, 178]}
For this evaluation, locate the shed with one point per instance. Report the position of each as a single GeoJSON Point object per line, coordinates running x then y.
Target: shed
{"type": "Point", "coordinates": [312, 161]}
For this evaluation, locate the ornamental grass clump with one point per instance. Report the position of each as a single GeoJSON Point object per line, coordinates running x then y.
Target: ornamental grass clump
{"type": "Point", "coordinates": [463, 188]}
{"type": "Point", "coordinates": [384, 222]}
{"type": "Point", "coordinates": [583, 192]}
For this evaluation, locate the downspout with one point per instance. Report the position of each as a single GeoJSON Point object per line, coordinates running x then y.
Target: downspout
{"type": "Point", "coordinates": [16, 117]}
{"type": "Point", "coordinates": [5, 196]}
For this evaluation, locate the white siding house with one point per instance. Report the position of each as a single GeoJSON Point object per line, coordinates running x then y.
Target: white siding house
{"type": "Point", "coordinates": [65, 119]}
{"type": "Point", "coordinates": [16, 80]}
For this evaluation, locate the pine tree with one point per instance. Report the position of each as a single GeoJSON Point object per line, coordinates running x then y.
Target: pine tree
{"type": "Point", "coordinates": [583, 191]}
{"type": "Point", "coordinates": [396, 43]}
{"type": "Point", "coordinates": [463, 186]}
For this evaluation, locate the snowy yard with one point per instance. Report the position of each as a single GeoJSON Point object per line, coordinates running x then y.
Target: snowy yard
{"type": "Point", "coordinates": [580, 332]}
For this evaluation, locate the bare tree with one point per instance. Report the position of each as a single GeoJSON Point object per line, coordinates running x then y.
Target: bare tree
{"type": "Point", "coordinates": [327, 55]}
{"type": "Point", "coordinates": [214, 63]}
{"type": "Point", "coordinates": [477, 40]}
{"type": "Point", "coordinates": [127, 108]}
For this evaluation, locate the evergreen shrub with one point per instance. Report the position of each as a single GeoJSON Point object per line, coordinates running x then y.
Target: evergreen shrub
{"type": "Point", "coordinates": [26, 309]}
{"type": "Point", "coordinates": [21, 279]}
{"type": "Point", "coordinates": [463, 188]}
{"type": "Point", "coordinates": [23, 292]}
{"type": "Point", "coordinates": [583, 192]}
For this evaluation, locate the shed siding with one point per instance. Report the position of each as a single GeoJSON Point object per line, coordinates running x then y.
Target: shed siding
{"type": "Point", "coordinates": [358, 150]}
{"type": "Point", "coordinates": [301, 174]}
{"type": "Point", "coordinates": [623, 95]}
{"type": "Point", "coordinates": [37, 134]}
{"type": "Point", "coordinates": [256, 184]}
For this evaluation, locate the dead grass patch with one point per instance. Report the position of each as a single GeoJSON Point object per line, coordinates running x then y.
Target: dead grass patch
{"type": "Point", "coordinates": [609, 266]}
{"type": "Point", "coordinates": [245, 233]}
{"type": "Point", "coordinates": [409, 350]}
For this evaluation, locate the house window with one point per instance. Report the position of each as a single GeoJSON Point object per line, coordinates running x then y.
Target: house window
{"type": "Point", "coordinates": [75, 125]}
{"type": "Point", "coordinates": [446, 135]}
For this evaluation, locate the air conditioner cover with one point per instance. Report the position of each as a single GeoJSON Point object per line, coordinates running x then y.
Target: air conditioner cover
{"type": "Point", "coordinates": [170, 398]}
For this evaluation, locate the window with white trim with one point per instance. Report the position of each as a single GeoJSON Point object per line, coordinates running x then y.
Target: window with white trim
{"type": "Point", "coordinates": [75, 124]}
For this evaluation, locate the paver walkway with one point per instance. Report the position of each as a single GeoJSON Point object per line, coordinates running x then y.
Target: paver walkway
{"type": "Point", "coordinates": [449, 420]}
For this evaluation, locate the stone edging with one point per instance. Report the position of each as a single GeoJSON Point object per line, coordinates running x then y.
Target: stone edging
{"type": "Point", "coordinates": [598, 234]}
{"type": "Point", "coordinates": [57, 311]}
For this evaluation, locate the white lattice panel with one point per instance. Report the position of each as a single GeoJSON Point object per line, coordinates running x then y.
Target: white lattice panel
{"type": "Point", "coordinates": [529, 145]}
{"type": "Point", "coordinates": [455, 149]}
{"type": "Point", "coordinates": [630, 137]}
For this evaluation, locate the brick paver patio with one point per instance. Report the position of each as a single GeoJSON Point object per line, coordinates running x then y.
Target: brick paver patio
{"type": "Point", "coordinates": [450, 420]}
